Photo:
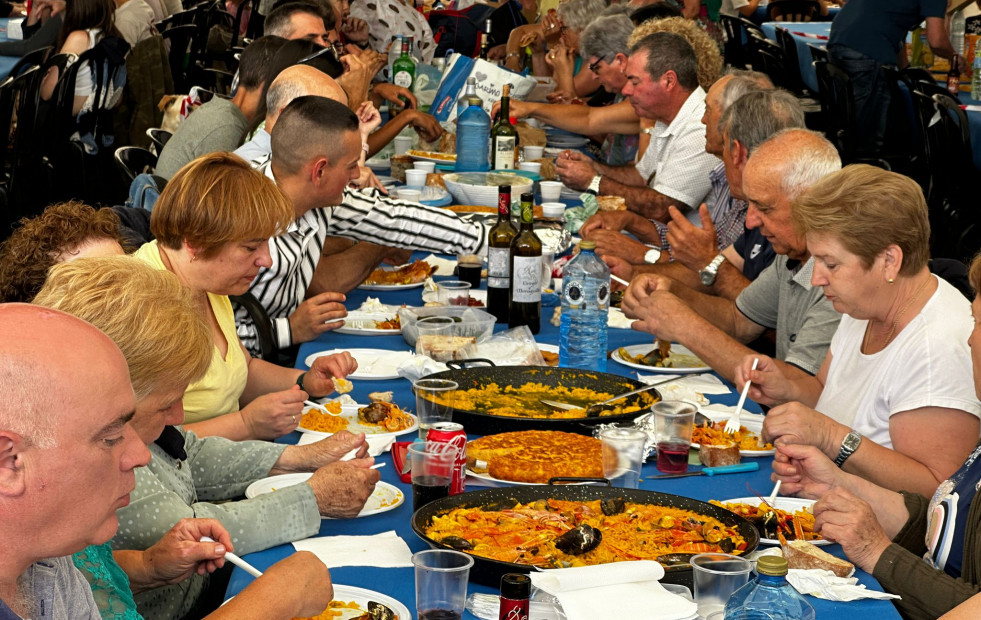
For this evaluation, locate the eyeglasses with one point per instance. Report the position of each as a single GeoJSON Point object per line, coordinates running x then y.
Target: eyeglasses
{"type": "Point", "coordinates": [327, 50]}
{"type": "Point", "coordinates": [594, 66]}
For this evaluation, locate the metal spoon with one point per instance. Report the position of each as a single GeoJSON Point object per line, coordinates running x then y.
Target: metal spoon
{"type": "Point", "coordinates": [594, 409]}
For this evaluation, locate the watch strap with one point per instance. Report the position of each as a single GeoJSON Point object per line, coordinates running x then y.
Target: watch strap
{"type": "Point", "coordinates": [594, 185]}
{"type": "Point", "coordinates": [849, 444]}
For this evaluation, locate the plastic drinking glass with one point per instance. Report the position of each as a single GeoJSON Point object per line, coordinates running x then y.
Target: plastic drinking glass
{"type": "Point", "coordinates": [428, 166]}
{"type": "Point", "coordinates": [716, 577]}
{"type": "Point", "coordinates": [673, 422]}
{"type": "Point", "coordinates": [533, 152]}
{"type": "Point", "coordinates": [441, 583]}
{"type": "Point", "coordinates": [623, 456]}
{"type": "Point", "coordinates": [432, 471]}
{"type": "Point", "coordinates": [530, 166]}
{"type": "Point", "coordinates": [415, 178]}
{"type": "Point", "coordinates": [402, 144]}
{"type": "Point", "coordinates": [551, 190]}
{"type": "Point", "coordinates": [411, 195]}
{"type": "Point", "coordinates": [453, 292]}
{"type": "Point", "coordinates": [432, 405]}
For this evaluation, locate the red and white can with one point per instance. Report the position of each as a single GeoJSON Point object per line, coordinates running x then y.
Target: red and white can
{"type": "Point", "coordinates": [453, 434]}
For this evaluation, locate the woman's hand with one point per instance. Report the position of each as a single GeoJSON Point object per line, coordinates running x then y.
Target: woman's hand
{"type": "Point", "coordinates": [273, 415]}
{"type": "Point", "coordinates": [805, 471]}
{"type": "Point", "coordinates": [318, 381]}
{"type": "Point", "coordinates": [796, 423]}
{"type": "Point", "coordinates": [551, 27]}
{"type": "Point", "coordinates": [842, 517]}
{"type": "Point", "coordinates": [769, 384]}
{"type": "Point", "coordinates": [179, 554]}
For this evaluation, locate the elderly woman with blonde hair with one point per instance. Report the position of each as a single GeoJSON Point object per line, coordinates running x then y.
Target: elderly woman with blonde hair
{"type": "Point", "coordinates": [153, 319]}
{"type": "Point", "coordinates": [892, 401]}
{"type": "Point", "coordinates": [212, 225]}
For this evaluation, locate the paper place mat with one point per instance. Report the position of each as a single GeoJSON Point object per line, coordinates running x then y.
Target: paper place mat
{"type": "Point", "coordinates": [588, 592]}
{"type": "Point", "coordinates": [705, 384]}
{"type": "Point", "coordinates": [385, 550]}
{"type": "Point", "coordinates": [825, 584]}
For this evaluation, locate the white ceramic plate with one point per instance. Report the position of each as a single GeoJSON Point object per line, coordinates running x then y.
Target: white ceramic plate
{"type": "Point", "coordinates": [386, 496]}
{"type": "Point", "coordinates": [788, 504]}
{"type": "Point", "coordinates": [639, 349]}
{"type": "Point", "coordinates": [363, 324]}
{"type": "Point", "coordinates": [753, 425]}
{"type": "Point", "coordinates": [350, 412]}
{"type": "Point", "coordinates": [389, 287]}
{"type": "Point", "coordinates": [373, 364]}
{"type": "Point", "coordinates": [431, 296]}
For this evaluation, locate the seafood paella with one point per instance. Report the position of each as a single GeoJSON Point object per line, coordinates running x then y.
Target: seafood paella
{"type": "Point", "coordinates": [556, 533]}
{"type": "Point", "coordinates": [524, 401]}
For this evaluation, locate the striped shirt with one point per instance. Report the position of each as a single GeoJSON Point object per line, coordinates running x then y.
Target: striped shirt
{"type": "Point", "coordinates": [363, 215]}
{"type": "Point", "coordinates": [728, 213]}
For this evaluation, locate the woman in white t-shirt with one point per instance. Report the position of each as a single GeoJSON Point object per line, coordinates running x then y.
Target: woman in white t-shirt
{"type": "Point", "coordinates": [86, 23]}
{"type": "Point", "coordinates": [893, 401]}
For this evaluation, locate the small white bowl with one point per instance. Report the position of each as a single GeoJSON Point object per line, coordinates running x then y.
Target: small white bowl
{"type": "Point", "coordinates": [553, 210]}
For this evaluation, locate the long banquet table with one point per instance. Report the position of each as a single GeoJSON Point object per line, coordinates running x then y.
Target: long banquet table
{"type": "Point", "coordinates": [399, 582]}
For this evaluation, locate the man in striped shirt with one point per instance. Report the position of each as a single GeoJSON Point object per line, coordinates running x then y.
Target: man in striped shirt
{"type": "Point", "coordinates": [301, 164]}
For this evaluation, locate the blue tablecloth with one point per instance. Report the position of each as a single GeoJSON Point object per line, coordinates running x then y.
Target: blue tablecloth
{"type": "Point", "coordinates": [399, 583]}
{"type": "Point", "coordinates": [6, 62]}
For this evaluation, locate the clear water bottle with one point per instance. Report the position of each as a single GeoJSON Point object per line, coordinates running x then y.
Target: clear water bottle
{"type": "Point", "coordinates": [585, 304]}
{"type": "Point", "coordinates": [958, 26]}
{"type": "Point", "coordinates": [472, 143]}
{"type": "Point", "coordinates": [463, 102]}
{"type": "Point", "coordinates": [769, 597]}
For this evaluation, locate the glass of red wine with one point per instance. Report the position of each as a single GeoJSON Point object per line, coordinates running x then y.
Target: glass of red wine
{"type": "Point", "coordinates": [441, 583]}
{"type": "Point", "coordinates": [674, 421]}
{"type": "Point", "coordinates": [432, 471]}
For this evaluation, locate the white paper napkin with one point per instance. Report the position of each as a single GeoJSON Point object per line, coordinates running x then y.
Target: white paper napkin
{"type": "Point", "coordinates": [825, 584]}
{"type": "Point", "coordinates": [419, 366]}
{"type": "Point", "coordinates": [385, 550]}
{"type": "Point", "coordinates": [444, 266]}
{"type": "Point", "coordinates": [621, 589]}
{"type": "Point", "coordinates": [704, 383]}
{"type": "Point", "coordinates": [722, 413]}
{"type": "Point", "coordinates": [376, 444]}
{"type": "Point", "coordinates": [616, 318]}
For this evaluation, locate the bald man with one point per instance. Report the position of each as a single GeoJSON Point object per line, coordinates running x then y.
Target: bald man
{"type": "Point", "coordinates": [312, 268]}
{"type": "Point", "coordinates": [62, 477]}
{"type": "Point", "coordinates": [781, 298]}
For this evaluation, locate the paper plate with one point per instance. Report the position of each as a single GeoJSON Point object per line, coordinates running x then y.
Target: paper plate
{"type": "Point", "coordinates": [373, 364]}
{"type": "Point", "coordinates": [639, 349]}
{"type": "Point", "coordinates": [363, 324]}
{"type": "Point", "coordinates": [386, 496]}
{"type": "Point", "coordinates": [788, 504]}
{"type": "Point", "coordinates": [350, 413]}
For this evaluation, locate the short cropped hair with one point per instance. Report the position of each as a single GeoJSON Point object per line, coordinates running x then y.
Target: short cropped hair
{"type": "Point", "coordinates": [742, 82]}
{"type": "Point", "coordinates": [800, 157]}
{"type": "Point", "coordinates": [255, 59]}
{"type": "Point", "coordinates": [708, 59]}
{"type": "Point", "coordinates": [605, 37]}
{"type": "Point", "coordinates": [307, 128]}
{"type": "Point", "coordinates": [217, 199]}
{"type": "Point", "coordinates": [41, 241]}
{"type": "Point", "coordinates": [756, 116]}
{"type": "Point", "coordinates": [278, 21]}
{"type": "Point", "coordinates": [145, 311]}
{"type": "Point", "coordinates": [577, 14]}
{"type": "Point", "coordinates": [866, 209]}
{"type": "Point", "coordinates": [656, 10]}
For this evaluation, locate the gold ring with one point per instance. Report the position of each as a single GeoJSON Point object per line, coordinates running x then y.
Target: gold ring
{"type": "Point", "coordinates": [294, 418]}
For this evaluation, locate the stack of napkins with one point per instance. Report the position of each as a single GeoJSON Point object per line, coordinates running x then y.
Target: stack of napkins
{"type": "Point", "coordinates": [385, 550]}
{"type": "Point", "coordinates": [825, 584]}
{"type": "Point", "coordinates": [703, 384]}
{"type": "Point", "coordinates": [618, 589]}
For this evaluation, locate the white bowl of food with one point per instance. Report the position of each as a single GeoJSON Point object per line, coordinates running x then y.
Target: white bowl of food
{"type": "Point", "coordinates": [480, 188]}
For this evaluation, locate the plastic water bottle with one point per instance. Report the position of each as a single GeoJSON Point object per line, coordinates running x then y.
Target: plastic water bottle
{"type": "Point", "coordinates": [585, 305]}
{"type": "Point", "coordinates": [472, 143]}
{"type": "Point", "coordinates": [769, 597]}
{"type": "Point", "coordinates": [463, 102]}
{"type": "Point", "coordinates": [958, 26]}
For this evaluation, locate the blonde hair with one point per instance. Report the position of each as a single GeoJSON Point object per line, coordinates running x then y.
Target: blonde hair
{"type": "Point", "coordinates": [708, 58]}
{"type": "Point", "coordinates": [145, 311]}
{"type": "Point", "coordinates": [218, 199]}
{"type": "Point", "coordinates": [974, 274]}
{"type": "Point", "coordinates": [867, 209]}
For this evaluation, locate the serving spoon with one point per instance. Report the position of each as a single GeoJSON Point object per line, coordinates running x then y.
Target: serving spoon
{"type": "Point", "coordinates": [593, 410]}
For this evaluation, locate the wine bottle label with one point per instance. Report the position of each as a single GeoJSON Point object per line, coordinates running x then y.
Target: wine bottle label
{"type": "Point", "coordinates": [504, 153]}
{"type": "Point", "coordinates": [498, 267]}
{"type": "Point", "coordinates": [527, 279]}
{"type": "Point", "coordinates": [403, 79]}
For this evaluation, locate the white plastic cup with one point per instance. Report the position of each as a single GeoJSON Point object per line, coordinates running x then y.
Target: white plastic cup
{"type": "Point", "coordinates": [402, 144]}
{"type": "Point", "coordinates": [533, 152]}
{"type": "Point", "coordinates": [411, 195]}
{"type": "Point", "coordinates": [551, 190]}
{"type": "Point", "coordinates": [553, 210]}
{"type": "Point", "coordinates": [428, 166]}
{"type": "Point", "coordinates": [530, 166]}
{"type": "Point", "coordinates": [415, 178]}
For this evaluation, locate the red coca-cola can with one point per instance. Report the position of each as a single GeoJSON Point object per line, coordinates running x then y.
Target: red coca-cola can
{"type": "Point", "coordinates": [452, 433]}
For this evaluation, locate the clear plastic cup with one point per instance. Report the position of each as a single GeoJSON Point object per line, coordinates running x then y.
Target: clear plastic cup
{"type": "Point", "coordinates": [431, 402]}
{"type": "Point", "coordinates": [453, 292]}
{"type": "Point", "coordinates": [716, 577]}
{"type": "Point", "coordinates": [673, 424]}
{"type": "Point", "coordinates": [441, 583]}
{"type": "Point", "coordinates": [623, 456]}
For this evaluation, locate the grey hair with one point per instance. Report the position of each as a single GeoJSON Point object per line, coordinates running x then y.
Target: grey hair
{"type": "Point", "coordinates": [605, 37]}
{"type": "Point", "coordinates": [667, 51]}
{"type": "Point", "coordinates": [280, 94]}
{"type": "Point", "coordinates": [759, 115]}
{"type": "Point", "coordinates": [802, 165]}
{"type": "Point", "coordinates": [577, 14]}
{"type": "Point", "coordinates": [742, 82]}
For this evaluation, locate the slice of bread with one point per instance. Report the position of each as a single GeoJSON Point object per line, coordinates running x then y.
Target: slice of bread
{"type": "Point", "coordinates": [718, 456]}
{"type": "Point", "coordinates": [803, 554]}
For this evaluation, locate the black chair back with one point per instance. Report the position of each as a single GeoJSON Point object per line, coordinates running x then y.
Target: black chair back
{"type": "Point", "coordinates": [181, 55]}
{"type": "Point", "coordinates": [263, 324]}
{"type": "Point", "coordinates": [818, 53]}
{"type": "Point", "coordinates": [31, 59]}
{"type": "Point", "coordinates": [134, 160]}
{"type": "Point", "coordinates": [792, 10]}
{"type": "Point", "coordinates": [733, 50]}
{"type": "Point", "coordinates": [158, 137]}
{"type": "Point", "coordinates": [793, 80]}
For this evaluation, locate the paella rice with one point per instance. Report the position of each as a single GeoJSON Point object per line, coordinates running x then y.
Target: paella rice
{"type": "Point", "coordinates": [525, 400]}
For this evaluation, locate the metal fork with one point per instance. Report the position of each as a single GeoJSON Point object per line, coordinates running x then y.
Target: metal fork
{"type": "Point", "coordinates": [732, 426]}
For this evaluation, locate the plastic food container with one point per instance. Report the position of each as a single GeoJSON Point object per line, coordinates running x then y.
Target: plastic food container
{"type": "Point", "coordinates": [472, 322]}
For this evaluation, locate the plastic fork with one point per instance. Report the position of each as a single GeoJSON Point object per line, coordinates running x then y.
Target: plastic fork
{"type": "Point", "coordinates": [319, 407]}
{"type": "Point", "coordinates": [732, 426]}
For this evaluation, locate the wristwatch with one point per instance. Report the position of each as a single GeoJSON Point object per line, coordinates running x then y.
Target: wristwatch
{"type": "Point", "coordinates": [708, 274]}
{"type": "Point", "coordinates": [848, 446]}
{"type": "Point", "coordinates": [652, 255]}
{"type": "Point", "coordinates": [594, 185]}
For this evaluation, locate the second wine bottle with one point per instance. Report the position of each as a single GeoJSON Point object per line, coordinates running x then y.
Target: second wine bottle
{"type": "Point", "coordinates": [526, 271]}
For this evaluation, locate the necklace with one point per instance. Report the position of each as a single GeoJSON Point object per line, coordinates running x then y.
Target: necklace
{"type": "Point", "coordinates": [895, 321]}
